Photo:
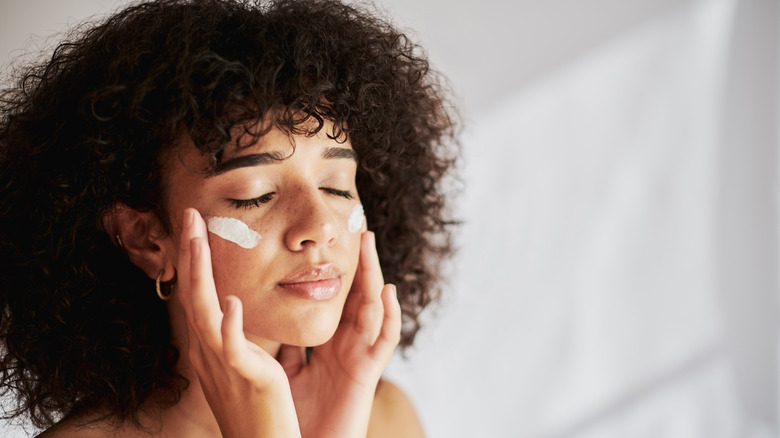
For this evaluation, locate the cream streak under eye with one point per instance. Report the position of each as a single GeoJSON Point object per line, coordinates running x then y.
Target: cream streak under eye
{"type": "Point", "coordinates": [234, 230]}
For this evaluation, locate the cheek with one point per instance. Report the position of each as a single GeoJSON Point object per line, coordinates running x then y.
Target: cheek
{"type": "Point", "coordinates": [352, 244]}
{"type": "Point", "coordinates": [234, 230]}
{"type": "Point", "coordinates": [352, 224]}
{"type": "Point", "coordinates": [232, 266]}
{"type": "Point", "coordinates": [356, 219]}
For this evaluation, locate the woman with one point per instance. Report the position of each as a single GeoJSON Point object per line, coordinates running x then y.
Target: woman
{"type": "Point", "coordinates": [182, 230]}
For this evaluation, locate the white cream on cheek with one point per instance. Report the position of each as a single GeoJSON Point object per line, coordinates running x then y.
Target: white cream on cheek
{"type": "Point", "coordinates": [355, 221]}
{"type": "Point", "coordinates": [234, 230]}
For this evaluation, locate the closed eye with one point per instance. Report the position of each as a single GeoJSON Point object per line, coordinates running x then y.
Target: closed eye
{"type": "Point", "coordinates": [254, 202]}
{"type": "Point", "coordinates": [342, 193]}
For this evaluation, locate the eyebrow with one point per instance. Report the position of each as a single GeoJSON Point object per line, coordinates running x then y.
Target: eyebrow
{"type": "Point", "coordinates": [336, 153]}
{"type": "Point", "coordinates": [328, 153]}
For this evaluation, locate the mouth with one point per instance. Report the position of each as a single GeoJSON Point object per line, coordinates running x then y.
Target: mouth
{"type": "Point", "coordinates": [316, 282]}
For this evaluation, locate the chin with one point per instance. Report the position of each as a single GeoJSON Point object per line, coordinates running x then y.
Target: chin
{"type": "Point", "coordinates": [301, 331]}
{"type": "Point", "coordinates": [314, 334]}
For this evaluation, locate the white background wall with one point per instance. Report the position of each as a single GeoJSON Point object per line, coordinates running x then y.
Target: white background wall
{"type": "Point", "coordinates": [618, 270]}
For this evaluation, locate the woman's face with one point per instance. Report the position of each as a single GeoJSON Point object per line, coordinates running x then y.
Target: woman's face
{"type": "Point", "coordinates": [294, 282]}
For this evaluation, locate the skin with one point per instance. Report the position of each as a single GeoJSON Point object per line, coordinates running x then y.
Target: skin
{"type": "Point", "coordinates": [239, 320]}
{"type": "Point", "coordinates": [302, 226]}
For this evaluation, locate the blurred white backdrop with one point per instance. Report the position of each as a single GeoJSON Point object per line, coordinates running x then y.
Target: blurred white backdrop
{"type": "Point", "coordinates": [618, 268]}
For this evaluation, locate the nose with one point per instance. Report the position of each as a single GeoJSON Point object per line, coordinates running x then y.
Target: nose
{"type": "Point", "coordinates": [311, 223]}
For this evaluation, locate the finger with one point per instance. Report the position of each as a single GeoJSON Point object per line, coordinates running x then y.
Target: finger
{"type": "Point", "coordinates": [367, 284]}
{"type": "Point", "coordinates": [369, 269]}
{"type": "Point", "coordinates": [184, 262]}
{"type": "Point", "coordinates": [369, 316]}
{"type": "Point", "coordinates": [247, 359]}
{"type": "Point", "coordinates": [184, 295]}
{"type": "Point", "coordinates": [233, 338]}
{"type": "Point", "coordinates": [206, 313]}
{"type": "Point", "coordinates": [368, 322]}
{"type": "Point", "coordinates": [205, 310]}
{"type": "Point", "coordinates": [390, 334]}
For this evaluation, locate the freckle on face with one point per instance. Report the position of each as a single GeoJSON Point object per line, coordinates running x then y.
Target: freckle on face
{"type": "Point", "coordinates": [253, 274]}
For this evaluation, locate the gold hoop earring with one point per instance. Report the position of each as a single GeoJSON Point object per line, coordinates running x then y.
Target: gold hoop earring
{"type": "Point", "coordinates": [168, 286]}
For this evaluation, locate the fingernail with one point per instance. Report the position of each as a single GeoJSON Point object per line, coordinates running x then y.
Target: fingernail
{"type": "Point", "coordinates": [189, 218]}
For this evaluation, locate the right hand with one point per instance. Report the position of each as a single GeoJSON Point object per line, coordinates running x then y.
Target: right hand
{"type": "Point", "coordinates": [246, 388]}
{"type": "Point", "coordinates": [335, 391]}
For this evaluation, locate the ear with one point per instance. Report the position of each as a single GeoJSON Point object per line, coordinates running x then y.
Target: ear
{"type": "Point", "coordinates": [137, 233]}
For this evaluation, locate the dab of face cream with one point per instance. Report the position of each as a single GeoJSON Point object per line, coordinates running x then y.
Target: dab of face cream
{"type": "Point", "coordinates": [355, 221]}
{"type": "Point", "coordinates": [234, 230]}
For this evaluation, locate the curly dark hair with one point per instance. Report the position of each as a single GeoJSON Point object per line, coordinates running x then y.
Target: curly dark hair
{"type": "Point", "coordinates": [83, 329]}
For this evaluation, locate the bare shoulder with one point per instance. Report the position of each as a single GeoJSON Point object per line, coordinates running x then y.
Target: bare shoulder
{"type": "Point", "coordinates": [392, 414]}
{"type": "Point", "coordinates": [77, 427]}
{"type": "Point", "coordinates": [69, 430]}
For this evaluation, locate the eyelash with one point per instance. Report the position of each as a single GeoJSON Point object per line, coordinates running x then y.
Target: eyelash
{"type": "Point", "coordinates": [256, 202]}
{"type": "Point", "coordinates": [343, 193]}
{"type": "Point", "coordinates": [249, 203]}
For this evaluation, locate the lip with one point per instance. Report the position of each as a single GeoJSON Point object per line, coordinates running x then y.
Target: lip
{"type": "Point", "coordinates": [314, 282]}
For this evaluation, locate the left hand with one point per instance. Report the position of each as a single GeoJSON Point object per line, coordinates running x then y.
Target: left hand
{"type": "Point", "coordinates": [334, 393]}
{"type": "Point", "coordinates": [246, 389]}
